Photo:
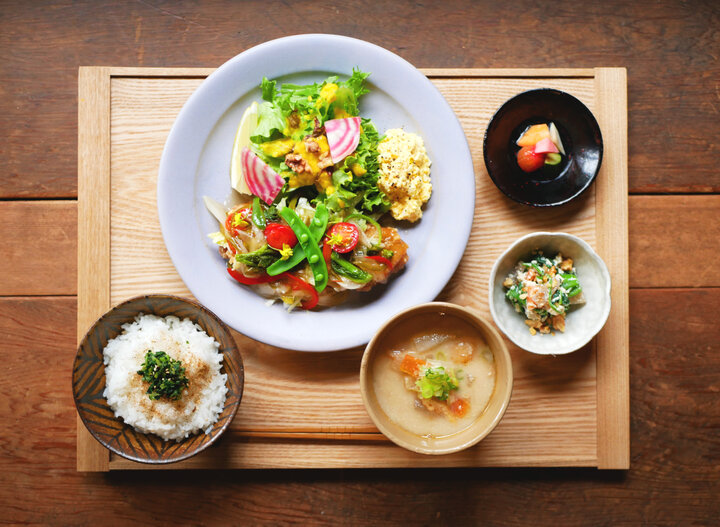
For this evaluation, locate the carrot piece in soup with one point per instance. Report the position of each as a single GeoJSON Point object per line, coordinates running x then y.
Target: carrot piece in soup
{"type": "Point", "coordinates": [411, 365]}
{"type": "Point", "coordinates": [459, 407]}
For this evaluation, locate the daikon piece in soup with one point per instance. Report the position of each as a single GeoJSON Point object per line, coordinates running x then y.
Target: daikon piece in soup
{"type": "Point", "coordinates": [434, 375]}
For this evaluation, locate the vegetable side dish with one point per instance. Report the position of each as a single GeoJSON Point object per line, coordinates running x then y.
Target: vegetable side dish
{"type": "Point", "coordinates": [314, 180]}
{"type": "Point", "coordinates": [434, 382]}
{"type": "Point", "coordinates": [540, 146]}
{"type": "Point", "coordinates": [544, 289]}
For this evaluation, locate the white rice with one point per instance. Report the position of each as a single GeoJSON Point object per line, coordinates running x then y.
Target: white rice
{"type": "Point", "coordinates": [126, 393]}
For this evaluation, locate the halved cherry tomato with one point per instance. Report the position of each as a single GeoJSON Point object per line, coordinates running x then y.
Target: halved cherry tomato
{"type": "Point", "coordinates": [382, 260]}
{"type": "Point", "coordinates": [342, 237]}
{"type": "Point", "coordinates": [243, 218]}
{"type": "Point", "coordinates": [279, 235]}
{"type": "Point", "coordinates": [252, 280]}
{"type": "Point", "coordinates": [528, 160]}
{"type": "Point", "coordinates": [301, 285]}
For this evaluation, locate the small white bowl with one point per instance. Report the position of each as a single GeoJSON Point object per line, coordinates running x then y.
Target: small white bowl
{"type": "Point", "coordinates": [583, 322]}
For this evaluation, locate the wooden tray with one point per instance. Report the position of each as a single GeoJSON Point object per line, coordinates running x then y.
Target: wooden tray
{"type": "Point", "coordinates": [303, 410]}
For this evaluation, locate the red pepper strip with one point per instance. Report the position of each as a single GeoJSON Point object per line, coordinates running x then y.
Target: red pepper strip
{"type": "Point", "coordinates": [231, 246]}
{"type": "Point", "coordinates": [261, 279]}
{"type": "Point", "coordinates": [299, 284]}
{"type": "Point", "coordinates": [296, 283]}
{"type": "Point", "coordinates": [382, 260]}
{"type": "Point", "coordinates": [327, 253]}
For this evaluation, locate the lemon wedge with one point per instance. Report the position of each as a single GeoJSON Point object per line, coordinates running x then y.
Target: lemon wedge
{"type": "Point", "coordinates": [248, 123]}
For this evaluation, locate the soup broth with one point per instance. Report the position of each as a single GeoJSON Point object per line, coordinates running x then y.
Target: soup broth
{"type": "Point", "coordinates": [434, 375]}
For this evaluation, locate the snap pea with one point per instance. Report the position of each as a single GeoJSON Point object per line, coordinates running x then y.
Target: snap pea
{"type": "Point", "coordinates": [309, 246]}
{"type": "Point", "coordinates": [318, 225]}
{"type": "Point", "coordinates": [348, 270]}
{"type": "Point", "coordinates": [258, 216]}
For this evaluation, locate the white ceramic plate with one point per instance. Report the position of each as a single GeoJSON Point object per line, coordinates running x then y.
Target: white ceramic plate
{"type": "Point", "coordinates": [196, 162]}
{"type": "Point", "coordinates": [583, 322]}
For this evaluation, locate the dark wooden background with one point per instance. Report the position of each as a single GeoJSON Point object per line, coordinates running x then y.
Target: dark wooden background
{"type": "Point", "coordinates": [671, 50]}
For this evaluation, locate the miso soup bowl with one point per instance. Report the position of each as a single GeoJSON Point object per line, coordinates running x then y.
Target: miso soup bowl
{"type": "Point", "coordinates": [479, 428]}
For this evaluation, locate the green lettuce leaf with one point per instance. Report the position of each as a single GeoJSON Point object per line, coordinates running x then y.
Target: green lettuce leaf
{"type": "Point", "coordinates": [271, 123]}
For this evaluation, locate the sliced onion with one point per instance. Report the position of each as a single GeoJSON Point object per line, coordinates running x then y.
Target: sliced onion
{"type": "Point", "coordinates": [216, 208]}
{"type": "Point", "coordinates": [343, 137]}
{"type": "Point", "coordinates": [262, 180]}
{"type": "Point", "coordinates": [340, 283]}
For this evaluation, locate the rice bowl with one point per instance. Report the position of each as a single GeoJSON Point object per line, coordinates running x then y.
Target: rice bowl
{"type": "Point", "coordinates": [126, 393]}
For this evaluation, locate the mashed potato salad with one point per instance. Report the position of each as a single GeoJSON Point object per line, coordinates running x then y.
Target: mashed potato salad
{"type": "Point", "coordinates": [313, 182]}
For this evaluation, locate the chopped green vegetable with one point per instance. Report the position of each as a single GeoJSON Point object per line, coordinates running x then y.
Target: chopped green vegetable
{"type": "Point", "coordinates": [436, 382]}
{"type": "Point", "coordinates": [258, 216]}
{"type": "Point", "coordinates": [271, 214]}
{"type": "Point", "coordinates": [513, 294]}
{"type": "Point", "coordinates": [348, 270]}
{"type": "Point", "coordinates": [165, 375]}
{"type": "Point", "coordinates": [263, 258]}
{"type": "Point", "coordinates": [387, 253]}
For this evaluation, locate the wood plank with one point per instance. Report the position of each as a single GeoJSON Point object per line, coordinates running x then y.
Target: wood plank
{"type": "Point", "coordinates": [611, 225]}
{"type": "Point", "coordinates": [673, 479]}
{"type": "Point", "coordinates": [510, 72]}
{"type": "Point", "coordinates": [38, 244]}
{"type": "Point", "coordinates": [120, 71]}
{"type": "Point", "coordinates": [93, 256]}
{"type": "Point", "coordinates": [674, 241]}
{"type": "Point", "coordinates": [672, 98]}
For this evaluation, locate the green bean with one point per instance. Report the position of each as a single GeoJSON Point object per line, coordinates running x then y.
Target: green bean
{"type": "Point", "coordinates": [309, 246]}
{"type": "Point", "coordinates": [258, 216]}
{"type": "Point", "coordinates": [348, 270]}
{"type": "Point", "coordinates": [318, 225]}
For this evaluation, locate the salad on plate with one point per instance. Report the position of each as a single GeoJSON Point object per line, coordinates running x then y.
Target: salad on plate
{"type": "Point", "coordinates": [314, 182]}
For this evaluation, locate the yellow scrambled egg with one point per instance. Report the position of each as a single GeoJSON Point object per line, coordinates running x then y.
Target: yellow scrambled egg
{"type": "Point", "coordinates": [404, 173]}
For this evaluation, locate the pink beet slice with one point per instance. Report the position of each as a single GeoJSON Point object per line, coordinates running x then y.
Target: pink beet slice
{"type": "Point", "coordinates": [262, 180]}
{"type": "Point", "coordinates": [343, 137]}
{"type": "Point", "coordinates": [545, 146]}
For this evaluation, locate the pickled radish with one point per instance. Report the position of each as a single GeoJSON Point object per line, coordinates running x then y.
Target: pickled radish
{"type": "Point", "coordinates": [343, 137]}
{"type": "Point", "coordinates": [262, 180]}
{"type": "Point", "coordinates": [546, 146]}
{"type": "Point", "coordinates": [555, 136]}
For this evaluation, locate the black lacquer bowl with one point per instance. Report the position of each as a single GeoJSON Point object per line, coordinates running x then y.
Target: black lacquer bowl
{"type": "Point", "coordinates": [579, 133]}
{"type": "Point", "coordinates": [88, 381]}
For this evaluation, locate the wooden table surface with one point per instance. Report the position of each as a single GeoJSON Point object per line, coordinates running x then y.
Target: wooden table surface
{"type": "Point", "coordinates": [671, 51]}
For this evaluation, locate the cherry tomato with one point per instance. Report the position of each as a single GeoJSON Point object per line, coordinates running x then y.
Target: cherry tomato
{"type": "Point", "coordinates": [528, 160]}
{"type": "Point", "coordinates": [302, 286]}
{"type": "Point", "coordinates": [279, 235]}
{"type": "Point", "coordinates": [252, 280]}
{"type": "Point", "coordinates": [342, 237]}
{"type": "Point", "coordinates": [238, 219]}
